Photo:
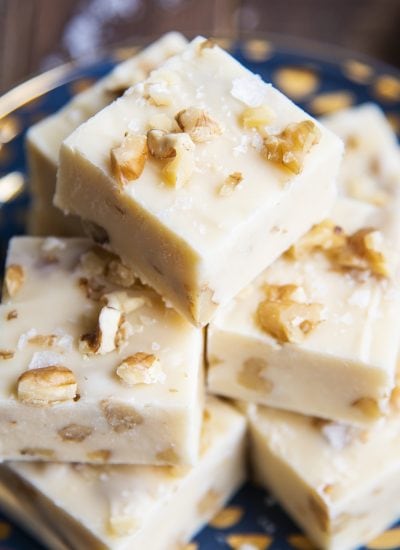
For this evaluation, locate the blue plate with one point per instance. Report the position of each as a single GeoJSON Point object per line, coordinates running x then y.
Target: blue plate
{"type": "Point", "coordinates": [321, 80]}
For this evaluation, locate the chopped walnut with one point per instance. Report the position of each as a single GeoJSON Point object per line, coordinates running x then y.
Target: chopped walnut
{"type": "Point", "coordinates": [178, 152]}
{"type": "Point", "coordinates": [122, 418]}
{"type": "Point", "coordinates": [119, 274]}
{"type": "Point", "coordinates": [128, 159]}
{"type": "Point", "coordinates": [162, 145]}
{"type": "Point", "coordinates": [91, 287]}
{"type": "Point", "coordinates": [167, 456]}
{"type": "Point", "coordinates": [200, 126]}
{"type": "Point", "coordinates": [290, 147]}
{"type": "Point", "coordinates": [257, 117]}
{"type": "Point", "coordinates": [47, 386]}
{"type": "Point", "coordinates": [104, 339]}
{"type": "Point", "coordinates": [322, 236]}
{"type": "Point", "coordinates": [365, 251]}
{"type": "Point", "coordinates": [141, 368]}
{"type": "Point", "coordinates": [230, 184]}
{"type": "Point", "coordinates": [6, 354]}
{"type": "Point", "coordinates": [38, 452]}
{"type": "Point", "coordinates": [43, 340]}
{"type": "Point", "coordinates": [94, 261]}
{"type": "Point", "coordinates": [369, 407]}
{"type": "Point", "coordinates": [75, 432]}
{"type": "Point", "coordinates": [11, 315]}
{"type": "Point", "coordinates": [251, 375]}
{"type": "Point", "coordinates": [102, 455]}
{"type": "Point", "coordinates": [206, 45]}
{"type": "Point", "coordinates": [284, 318]}
{"type": "Point", "coordinates": [122, 301]}
{"type": "Point", "coordinates": [14, 279]}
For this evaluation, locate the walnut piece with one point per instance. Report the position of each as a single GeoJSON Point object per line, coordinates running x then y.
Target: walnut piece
{"type": "Point", "coordinates": [102, 455]}
{"type": "Point", "coordinates": [14, 279]}
{"type": "Point", "coordinates": [369, 407]}
{"type": "Point", "coordinates": [284, 318]}
{"type": "Point", "coordinates": [128, 158]}
{"type": "Point", "coordinates": [121, 418]}
{"type": "Point", "coordinates": [257, 117]}
{"type": "Point", "coordinates": [251, 375]}
{"type": "Point", "coordinates": [122, 301]}
{"type": "Point", "coordinates": [364, 250]}
{"type": "Point", "coordinates": [322, 236]}
{"type": "Point", "coordinates": [178, 152]}
{"type": "Point", "coordinates": [289, 148]}
{"type": "Point", "coordinates": [199, 124]}
{"type": "Point", "coordinates": [38, 452]}
{"type": "Point", "coordinates": [167, 456]}
{"type": "Point", "coordinates": [141, 368]}
{"type": "Point", "coordinates": [75, 432]}
{"type": "Point", "coordinates": [6, 354]}
{"type": "Point", "coordinates": [161, 144]}
{"type": "Point", "coordinates": [119, 274]}
{"type": "Point", "coordinates": [230, 184]}
{"type": "Point", "coordinates": [43, 340]}
{"type": "Point", "coordinates": [11, 315]}
{"type": "Point", "coordinates": [206, 45]}
{"type": "Point", "coordinates": [105, 338]}
{"type": "Point", "coordinates": [47, 386]}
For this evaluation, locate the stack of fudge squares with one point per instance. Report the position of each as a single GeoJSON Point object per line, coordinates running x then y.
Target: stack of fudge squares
{"type": "Point", "coordinates": [236, 296]}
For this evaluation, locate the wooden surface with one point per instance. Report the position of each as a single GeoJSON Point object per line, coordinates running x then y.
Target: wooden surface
{"type": "Point", "coordinates": [38, 34]}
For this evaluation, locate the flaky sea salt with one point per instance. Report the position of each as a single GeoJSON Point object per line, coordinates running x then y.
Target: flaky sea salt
{"type": "Point", "coordinates": [251, 90]}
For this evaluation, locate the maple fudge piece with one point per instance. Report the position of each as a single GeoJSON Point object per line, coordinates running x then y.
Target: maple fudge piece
{"type": "Point", "coordinates": [339, 483]}
{"type": "Point", "coordinates": [371, 165]}
{"type": "Point", "coordinates": [44, 138]}
{"type": "Point", "coordinates": [196, 176]}
{"type": "Point", "coordinates": [317, 332]}
{"type": "Point", "coordinates": [94, 366]}
{"type": "Point", "coordinates": [124, 507]}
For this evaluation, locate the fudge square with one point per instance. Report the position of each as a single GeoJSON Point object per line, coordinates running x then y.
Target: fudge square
{"type": "Point", "coordinates": [199, 177]}
{"type": "Point", "coordinates": [123, 507]}
{"type": "Point", "coordinates": [370, 170]}
{"type": "Point", "coordinates": [339, 483]}
{"type": "Point", "coordinates": [94, 366]}
{"type": "Point", "coordinates": [44, 138]}
{"type": "Point", "coordinates": [318, 331]}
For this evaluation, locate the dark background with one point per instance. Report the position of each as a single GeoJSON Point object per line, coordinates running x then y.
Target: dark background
{"type": "Point", "coordinates": [39, 34]}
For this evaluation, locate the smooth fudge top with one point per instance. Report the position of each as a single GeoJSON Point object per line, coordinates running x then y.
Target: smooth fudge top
{"type": "Point", "coordinates": [48, 134]}
{"type": "Point", "coordinates": [370, 170]}
{"type": "Point", "coordinates": [202, 145]}
{"type": "Point", "coordinates": [76, 324]}
{"type": "Point", "coordinates": [334, 292]}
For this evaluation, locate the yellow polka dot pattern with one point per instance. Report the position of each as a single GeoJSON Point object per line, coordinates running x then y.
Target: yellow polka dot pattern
{"type": "Point", "coordinates": [5, 530]}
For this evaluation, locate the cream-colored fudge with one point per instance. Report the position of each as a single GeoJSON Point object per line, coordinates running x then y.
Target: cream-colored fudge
{"type": "Point", "coordinates": [44, 138]}
{"type": "Point", "coordinates": [339, 483]}
{"type": "Point", "coordinates": [196, 176]}
{"type": "Point", "coordinates": [94, 366]}
{"type": "Point", "coordinates": [317, 332]}
{"type": "Point", "coordinates": [371, 165]}
{"type": "Point", "coordinates": [125, 507]}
